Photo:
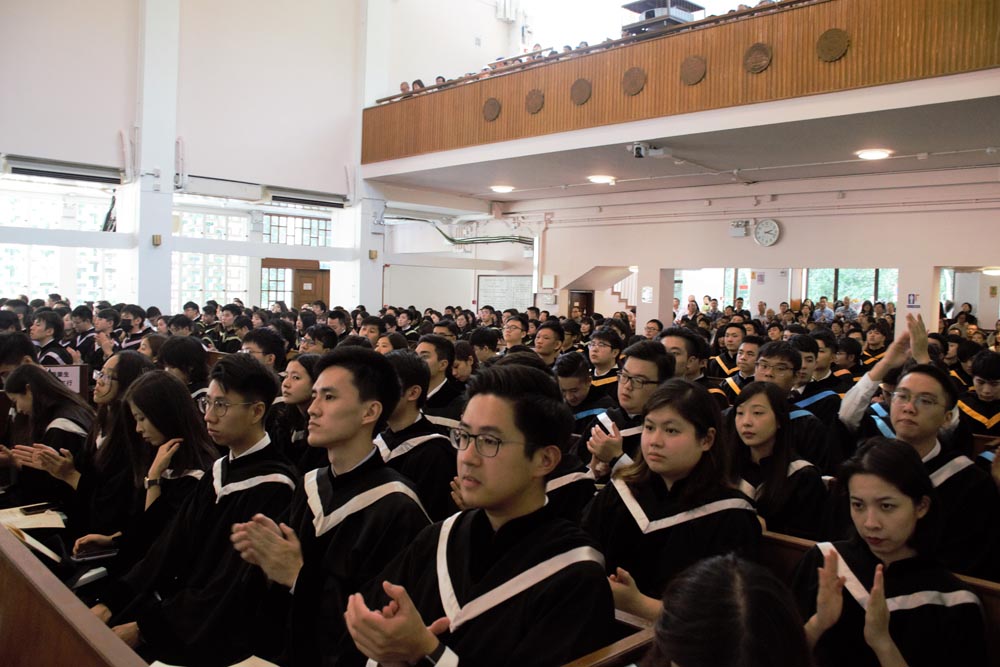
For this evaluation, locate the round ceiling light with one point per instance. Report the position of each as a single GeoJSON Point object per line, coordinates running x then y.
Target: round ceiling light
{"type": "Point", "coordinates": [874, 153]}
{"type": "Point", "coordinates": [502, 189]}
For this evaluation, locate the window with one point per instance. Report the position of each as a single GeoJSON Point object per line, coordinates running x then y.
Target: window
{"type": "Point", "coordinates": [275, 285]}
{"type": "Point", "coordinates": [297, 230]}
{"type": "Point", "coordinates": [226, 227]}
{"type": "Point", "coordinates": [859, 284]}
{"type": "Point", "coordinates": [80, 274]}
{"type": "Point", "coordinates": [947, 284]}
{"type": "Point", "coordinates": [50, 206]}
{"type": "Point", "coordinates": [199, 277]}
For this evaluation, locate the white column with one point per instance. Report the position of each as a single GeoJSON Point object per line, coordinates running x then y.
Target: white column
{"type": "Point", "coordinates": [919, 292]}
{"type": "Point", "coordinates": [156, 131]}
{"type": "Point", "coordinates": [661, 307]}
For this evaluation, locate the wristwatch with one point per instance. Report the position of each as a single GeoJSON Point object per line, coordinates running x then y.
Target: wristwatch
{"type": "Point", "coordinates": [433, 657]}
{"type": "Point", "coordinates": [148, 483]}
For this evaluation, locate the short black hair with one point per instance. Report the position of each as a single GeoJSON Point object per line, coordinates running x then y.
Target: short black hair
{"type": "Point", "coordinates": [308, 318]}
{"type": "Point", "coordinates": [83, 313]}
{"type": "Point", "coordinates": [191, 305]}
{"type": "Point", "coordinates": [136, 311]}
{"type": "Point", "coordinates": [242, 322]}
{"type": "Point", "coordinates": [986, 365]}
{"type": "Point", "coordinates": [850, 347]}
{"type": "Point", "coordinates": [805, 344]}
{"type": "Point", "coordinates": [186, 354]}
{"type": "Point", "coordinates": [374, 377]}
{"type": "Point", "coordinates": [942, 378]}
{"type": "Point", "coordinates": [648, 350]}
{"type": "Point", "coordinates": [412, 372]}
{"type": "Point", "coordinates": [779, 349]}
{"type": "Point", "coordinates": [539, 411]}
{"type": "Point", "coordinates": [485, 337]}
{"type": "Point", "coordinates": [572, 366]}
{"type": "Point", "coordinates": [554, 326]}
{"type": "Point", "coordinates": [694, 344]}
{"type": "Point", "coordinates": [51, 320]}
{"type": "Point", "coordinates": [232, 308]}
{"type": "Point", "coordinates": [825, 335]}
{"type": "Point", "coordinates": [323, 335]}
{"type": "Point", "coordinates": [270, 342]}
{"type": "Point", "coordinates": [450, 325]}
{"type": "Point", "coordinates": [373, 320]}
{"type": "Point", "coordinates": [443, 347]}
{"type": "Point", "coordinates": [246, 376]}
{"type": "Point", "coordinates": [111, 315]}
{"type": "Point", "coordinates": [610, 336]}
{"type": "Point", "coordinates": [15, 346]}
{"type": "Point", "coordinates": [180, 322]}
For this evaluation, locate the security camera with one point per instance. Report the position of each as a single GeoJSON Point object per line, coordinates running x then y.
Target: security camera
{"type": "Point", "coordinates": [639, 149]}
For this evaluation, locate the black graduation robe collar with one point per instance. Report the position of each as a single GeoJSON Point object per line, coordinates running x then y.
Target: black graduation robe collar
{"type": "Point", "coordinates": [388, 441]}
{"type": "Point", "coordinates": [654, 507]}
{"type": "Point", "coordinates": [233, 475]}
{"type": "Point", "coordinates": [753, 474]}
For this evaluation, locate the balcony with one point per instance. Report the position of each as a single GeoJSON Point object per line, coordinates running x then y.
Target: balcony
{"type": "Point", "coordinates": [787, 50]}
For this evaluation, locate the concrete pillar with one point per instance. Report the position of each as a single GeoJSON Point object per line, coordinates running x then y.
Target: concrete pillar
{"type": "Point", "coordinates": [661, 282]}
{"type": "Point", "coordinates": [150, 203]}
{"type": "Point", "coordinates": [371, 253]}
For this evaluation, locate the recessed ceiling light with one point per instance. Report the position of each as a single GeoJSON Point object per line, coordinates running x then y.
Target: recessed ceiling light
{"type": "Point", "coordinates": [874, 153]}
{"type": "Point", "coordinates": [502, 189]}
{"type": "Point", "coordinates": [991, 272]}
{"type": "Point", "coordinates": [601, 179]}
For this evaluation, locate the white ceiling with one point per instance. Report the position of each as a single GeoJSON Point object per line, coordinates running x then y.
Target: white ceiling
{"type": "Point", "coordinates": [938, 136]}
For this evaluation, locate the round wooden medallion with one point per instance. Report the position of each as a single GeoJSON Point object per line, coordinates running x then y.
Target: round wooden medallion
{"type": "Point", "coordinates": [633, 81]}
{"type": "Point", "coordinates": [757, 58]}
{"type": "Point", "coordinates": [491, 109]}
{"type": "Point", "coordinates": [580, 92]}
{"type": "Point", "coordinates": [693, 70]}
{"type": "Point", "coordinates": [832, 45]}
{"type": "Point", "coordinates": [534, 101]}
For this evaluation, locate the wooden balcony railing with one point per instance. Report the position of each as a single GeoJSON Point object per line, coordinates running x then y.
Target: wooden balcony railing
{"type": "Point", "coordinates": [887, 41]}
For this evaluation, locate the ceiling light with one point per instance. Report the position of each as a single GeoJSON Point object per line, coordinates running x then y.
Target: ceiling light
{"type": "Point", "coordinates": [602, 180]}
{"type": "Point", "coordinates": [874, 153]}
{"type": "Point", "coordinates": [991, 272]}
{"type": "Point", "coordinates": [502, 189]}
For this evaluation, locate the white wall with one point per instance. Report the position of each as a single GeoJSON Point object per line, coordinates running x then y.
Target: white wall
{"type": "Point", "coordinates": [974, 287]}
{"type": "Point", "coordinates": [673, 229]}
{"type": "Point", "coordinates": [421, 39]}
{"type": "Point", "coordinates": [68, 73]}
{"type": "Point", "coordinates": [428, 287]}
{"type": "Point", "coordinates": [270, 92]}
{"type": "Point", "coordinates": [768, 285]}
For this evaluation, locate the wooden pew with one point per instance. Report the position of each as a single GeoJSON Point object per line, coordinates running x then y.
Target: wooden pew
{"type": "Point", "coordinates": [627, 650]}
{"type": "Point", "coordinates": [42, 623]}
{"type": "Point", "coordinates": [782, 553]}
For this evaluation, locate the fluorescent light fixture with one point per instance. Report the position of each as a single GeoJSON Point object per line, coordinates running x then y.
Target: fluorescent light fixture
{"type": "Point", "coordinates": [602, 179]}
{"type": "Point", "coordinates": [502, 189]}
{"type": "Point", "coordinates": [874, 153]}
{"type": "Point", "coordinates": [991, 272]}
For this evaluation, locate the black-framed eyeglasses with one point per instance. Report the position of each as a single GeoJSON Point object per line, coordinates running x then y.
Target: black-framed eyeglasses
{"type": "Point", "coordinates": [597, 345]}
{"type": "Point", "coordinates": [487, 446]}
{"type": "Point", "coordinates": [219, 407]}
{"type": "Point", "coordinates": [634, 380]}
{"type": "Point", "coordinates": [777, 368]}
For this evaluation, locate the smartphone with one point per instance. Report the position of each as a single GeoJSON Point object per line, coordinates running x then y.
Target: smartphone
{"type": "Point", "coordinates": [28, 510]}
{"type": "Point", "coordinates": [97, 554]}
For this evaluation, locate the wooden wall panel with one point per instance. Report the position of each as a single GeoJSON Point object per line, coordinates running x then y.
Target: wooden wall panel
{"type": "Point", "coordinates": [891, 41]}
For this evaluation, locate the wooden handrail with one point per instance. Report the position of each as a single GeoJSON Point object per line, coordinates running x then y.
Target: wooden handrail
{"type": "Point", "coordinates": [43, 623]}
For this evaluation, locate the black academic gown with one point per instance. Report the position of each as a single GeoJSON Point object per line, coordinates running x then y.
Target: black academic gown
{"type": "Point", "coordinates": [570, 487]}
{"type": "Point", "coordinates": [67, 431]}
{"type": "Point", "coordinates": [445, 404]}
{"type": "Point", "coordinates": [939, 624]}
{"type": "Point", "coordinates": [351, 526]}
{"type": "Point", "coordinates": [593, 404]}
{"type": "Point", "coordinates": [970, 541]}
{"type": "Point", "coordinates": [455, 567]}
{"type": "Point", "coordinates": [733, 385]}
{"type": "Point", "coordinates": [194, 598]}
{"type": "Point", "coordinates": [653, 534]}
{"type": "Point", "coordinates": [982, 417]}
{"type": "Point", "coordinates": [422, 453]}
{"type": "Point", "coordinates": [606, 384]}
{"type": "Point", "coordinates": [722, 365]}
{"type": "Point", "coordinates": [630, 428]}
{"type": "Point", "coordinates": [801, 514]}
{"type": "Point", "coordinates": [54, 354]}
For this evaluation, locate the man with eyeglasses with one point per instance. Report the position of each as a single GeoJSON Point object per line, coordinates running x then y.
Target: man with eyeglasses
{"type": "Point", "coordinates": [192, 599]}
{"type": "Point", "coordinates": [779, 362]}
{"type": "Point", "coordinates": [444, 600]}
{"type": "Point", "coordinates": [603, 349]}
{"type": "Point", "coordinates": [613, 437]}
{"type": "Point", "coordinates": [348, 520]}
{"type": "Point", "coordinates": [514, 331]}
{"type": "Point", "coordinates": [923, 414]}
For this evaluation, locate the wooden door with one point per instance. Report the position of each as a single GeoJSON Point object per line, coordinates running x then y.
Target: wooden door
{"type": "Point", "coordinates": [582, 300]}
{"type": "Point", "coordinates": [310, 285]}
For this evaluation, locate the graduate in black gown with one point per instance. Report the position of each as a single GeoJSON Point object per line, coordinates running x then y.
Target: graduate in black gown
{"type": "Point", "coordinates": [170, 453]}
{"type": "Point", "coordinates": [882, 598]}
{"type": "Point", "coordinates": [349, 519]}
{"type": "Point", "coordinates": [674, 505]}
{"type": "Point", "coordinates": [412, 444]}
{"type": "Point", "coordinates": [192, 599]}
{"type": "Point", "coordinates": [788, 490]}
{"type": "Point", "coordinates": [287, 421]}
{"type": "Point", "coordinates": [506, 583]}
